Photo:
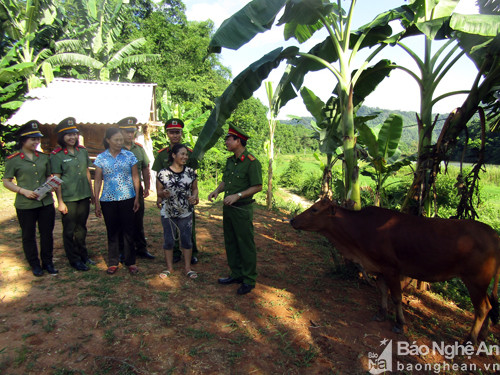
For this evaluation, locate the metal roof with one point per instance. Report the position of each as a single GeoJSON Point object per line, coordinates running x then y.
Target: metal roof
{"type": "Point", "coordinates": [89, 102]}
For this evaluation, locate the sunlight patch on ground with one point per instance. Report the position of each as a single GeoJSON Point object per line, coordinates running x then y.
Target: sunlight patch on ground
{"type": "Point", "coordinates": [15, 280]}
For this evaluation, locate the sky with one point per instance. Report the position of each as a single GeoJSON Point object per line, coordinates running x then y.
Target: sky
{"type": "Point", "coordinates": [398, 91]}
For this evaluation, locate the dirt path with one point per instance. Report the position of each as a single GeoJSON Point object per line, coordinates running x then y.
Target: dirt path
{"type": "Point", "coordinates": [301, 318]}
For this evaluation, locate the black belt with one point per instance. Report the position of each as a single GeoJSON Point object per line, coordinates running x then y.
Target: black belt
{"type": "Point", "coordinates": [240, 204]}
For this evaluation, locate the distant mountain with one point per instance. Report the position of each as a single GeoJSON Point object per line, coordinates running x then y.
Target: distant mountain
{"type": "Point", "coordinates": [409, 138]}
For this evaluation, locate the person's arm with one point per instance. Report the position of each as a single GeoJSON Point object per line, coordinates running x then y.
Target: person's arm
{"type": "Point", "coordinates": [159, 193]}
{"type": "Point", "coordinates": [216, 192]}
{"type": "Point", "coordinates": [61, 206]}
{"type": "Point", "coordinates": [146, 177]}
{"type": "Point", "coordinates": [10, 185]}
{"type": "Point", "coordinates": [193, 199]}
{"type": "Point", "coordinates": [137, 184]}
{"type": "Point", "coordinates": [233, 198]}
{"type": "Point", "coordinates": [89, 179]}
{"type": "Point", "coordinates": [97, 190]}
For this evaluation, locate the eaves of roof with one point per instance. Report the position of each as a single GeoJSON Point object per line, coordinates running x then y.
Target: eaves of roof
{"type": "Point", "coordinates": [89, 102]}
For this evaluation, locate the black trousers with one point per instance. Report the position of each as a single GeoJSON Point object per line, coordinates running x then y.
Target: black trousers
{"type": "Point", "coordinates": [140, 243]}
{"type": "Point", "coordinates": [75, 230]}
{"type": "Point", "coordinates": [45, 217]}
{"type": "Point", "coordinates": [119, 219]}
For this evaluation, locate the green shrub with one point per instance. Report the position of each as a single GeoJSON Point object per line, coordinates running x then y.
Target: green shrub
{"type": "Point", "coordinates": [293, 174]}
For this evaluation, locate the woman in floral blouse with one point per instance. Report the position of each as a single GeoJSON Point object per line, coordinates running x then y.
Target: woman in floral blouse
{"type": "Point", "coordinates": [181, 187]}
{"type": "Point", "coordinates": [117, 169]}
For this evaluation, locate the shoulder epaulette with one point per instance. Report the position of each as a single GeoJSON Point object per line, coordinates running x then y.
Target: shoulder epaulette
{"type": "Point", "coordinates": [13, 155]}
{"type": "Point", "coordinates": [189, 149]}
{"type": "Point", "coordinates": [56, 150]}
{"type": "Point", "coordinates": [164, 148]}
{"type": "Point", "coordinates": [138, 144]}
{"type": "Point", "coordinates": [251, 157]}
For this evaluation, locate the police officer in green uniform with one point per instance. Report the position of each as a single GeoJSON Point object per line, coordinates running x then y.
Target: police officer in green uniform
{"type": "Point", "coordinates": [242, 179]}
{"type": "Point", "coordinates": [128, 127]}
{"type": "Point", "coordinates": [30, 168]}
{"type": "Point", "coordinates": [174, 127]}
{"type": "Point", "coordinates": [70, 161]}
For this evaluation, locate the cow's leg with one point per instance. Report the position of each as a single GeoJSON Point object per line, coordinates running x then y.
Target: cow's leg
{"type": "Point", "coordinates": [394, 284]}
{"type": "Point", "coordinates": [382, 312]}
{"type": "Point", "coordinates": [479, 297]}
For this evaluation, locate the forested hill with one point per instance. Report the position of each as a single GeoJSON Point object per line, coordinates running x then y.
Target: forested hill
{"type": "Point", "coordinates": [409, 138]}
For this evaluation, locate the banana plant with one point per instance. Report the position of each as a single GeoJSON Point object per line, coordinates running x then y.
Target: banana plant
{"type": "Point", "coordinates": [473, 35]}
{"type": "Point", "coordinates": [302, 18]}
{"type": "Point", "coordinates": [383, 155]}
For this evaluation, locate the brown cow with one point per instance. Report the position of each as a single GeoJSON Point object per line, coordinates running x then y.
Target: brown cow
{"type": "Point", "coordinates": [391, 245]}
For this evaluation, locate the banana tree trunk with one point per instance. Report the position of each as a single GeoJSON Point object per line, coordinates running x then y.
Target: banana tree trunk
{"type": "Point", "coordinates": [351, 169]}
{"type": "Point", "coordinates": [269, 197]}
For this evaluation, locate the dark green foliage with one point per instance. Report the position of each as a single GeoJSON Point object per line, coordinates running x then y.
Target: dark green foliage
{"type": "Point", "coordinates": [310, 187]}
{"type": "Point", "coordinates": [454, 290]}
{"type": "Point", "coordinates": [293, 174]}
{"type": "Point", "coordinates": [181, 68]}
{"type": "Point", "coordinates": [492, 147]}
{"type": "Point", "coordinates": [291, 138]}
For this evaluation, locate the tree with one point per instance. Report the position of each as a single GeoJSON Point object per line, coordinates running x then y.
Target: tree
{"type": "Point", "coordinates": [181, 68]}
{"type": "Point", "coordinates": [100, 27]}
{"type": "Point", "coordinates": [33, 29]}
{"type": "Point", "coordinates": [383, 154]}
{"type": "Point", "coordinates": [301, 19]}
{"type": "Point", "coordinates": [478, 36]}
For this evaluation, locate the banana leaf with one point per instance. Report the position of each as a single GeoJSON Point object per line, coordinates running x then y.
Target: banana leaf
{"type": "Point", "coordinates": [242, 88]}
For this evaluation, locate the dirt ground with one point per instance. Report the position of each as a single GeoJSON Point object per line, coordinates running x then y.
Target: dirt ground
{"type": "Point", "coordinates": [302, 318]}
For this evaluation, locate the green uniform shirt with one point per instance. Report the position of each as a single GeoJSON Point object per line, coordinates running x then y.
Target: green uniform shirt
{"type": "Point", "coordinates": [73, 171]}
{"type": "Point", "coordinates": [241, 173]}
{"type": "Point", "coordinates": [161, 159]}
{"type": "Point", "coordinates": [29, 175]}
{"type": "Point", "coordinates": [143, 160]}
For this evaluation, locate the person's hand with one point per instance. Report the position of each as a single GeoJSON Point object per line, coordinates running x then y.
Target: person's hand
{"type": "Point", "coordinates": [145, 194]}
{"type": "Point", "coordinates": [213, 195]}
{"type": "Point", "coordinates": [136, 204]}
{"type": "Point", "coordinates": [63, 209]}
{"type": "Point", "coordinates": [230, 199]}
{"type": "Point", "coordinates": [30, 194]}
{"type": "Point", "coordinates": [193, 200]}
{"type": "Point", "coordinates": [159, 201]}
{"type": "Point", "coordinates": [98, 212]}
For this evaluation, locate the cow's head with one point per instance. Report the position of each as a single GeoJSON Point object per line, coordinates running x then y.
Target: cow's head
{"type": "Point", "coordinates": [315, 217]}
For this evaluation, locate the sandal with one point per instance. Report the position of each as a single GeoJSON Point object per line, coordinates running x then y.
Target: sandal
{"type": "Point", "coordinates": [192, 275]}
{"type": "Point", "coordinates": [133, 269]}
{"type": "Point", "coordinates": [164, 274]}
{"type": "Point", "coordinates": [111, 270]}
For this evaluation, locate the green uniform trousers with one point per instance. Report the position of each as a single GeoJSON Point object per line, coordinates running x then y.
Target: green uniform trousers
{"type": "Point", "coordinates": [239, 242]}
{"type": "Point", "coordinates": [75, 230]}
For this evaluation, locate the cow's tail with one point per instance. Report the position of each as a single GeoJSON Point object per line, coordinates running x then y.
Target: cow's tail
{"type": "Point", "coordinates": [493, 297]}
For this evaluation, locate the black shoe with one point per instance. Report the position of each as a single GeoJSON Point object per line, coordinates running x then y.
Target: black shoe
{"type": "Point", "coordinates": [37, 271]}
{"type": "Point", "coordinates": [79, 266]}
{"type": "Point", "coordinates": [176, 259]}
{"type": "Point", "coordinates": [50, 269]}
{"type": "Point", "coordinates": [145, 254]}
{"type": "Point", "coordinates": [245, 288]}
{"type": "Point", "coordinates": [230, 280]}
{"type": "Point", "coordinates": [88, 261]}
{"type": "Point", "coordinates": [194, 260]}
